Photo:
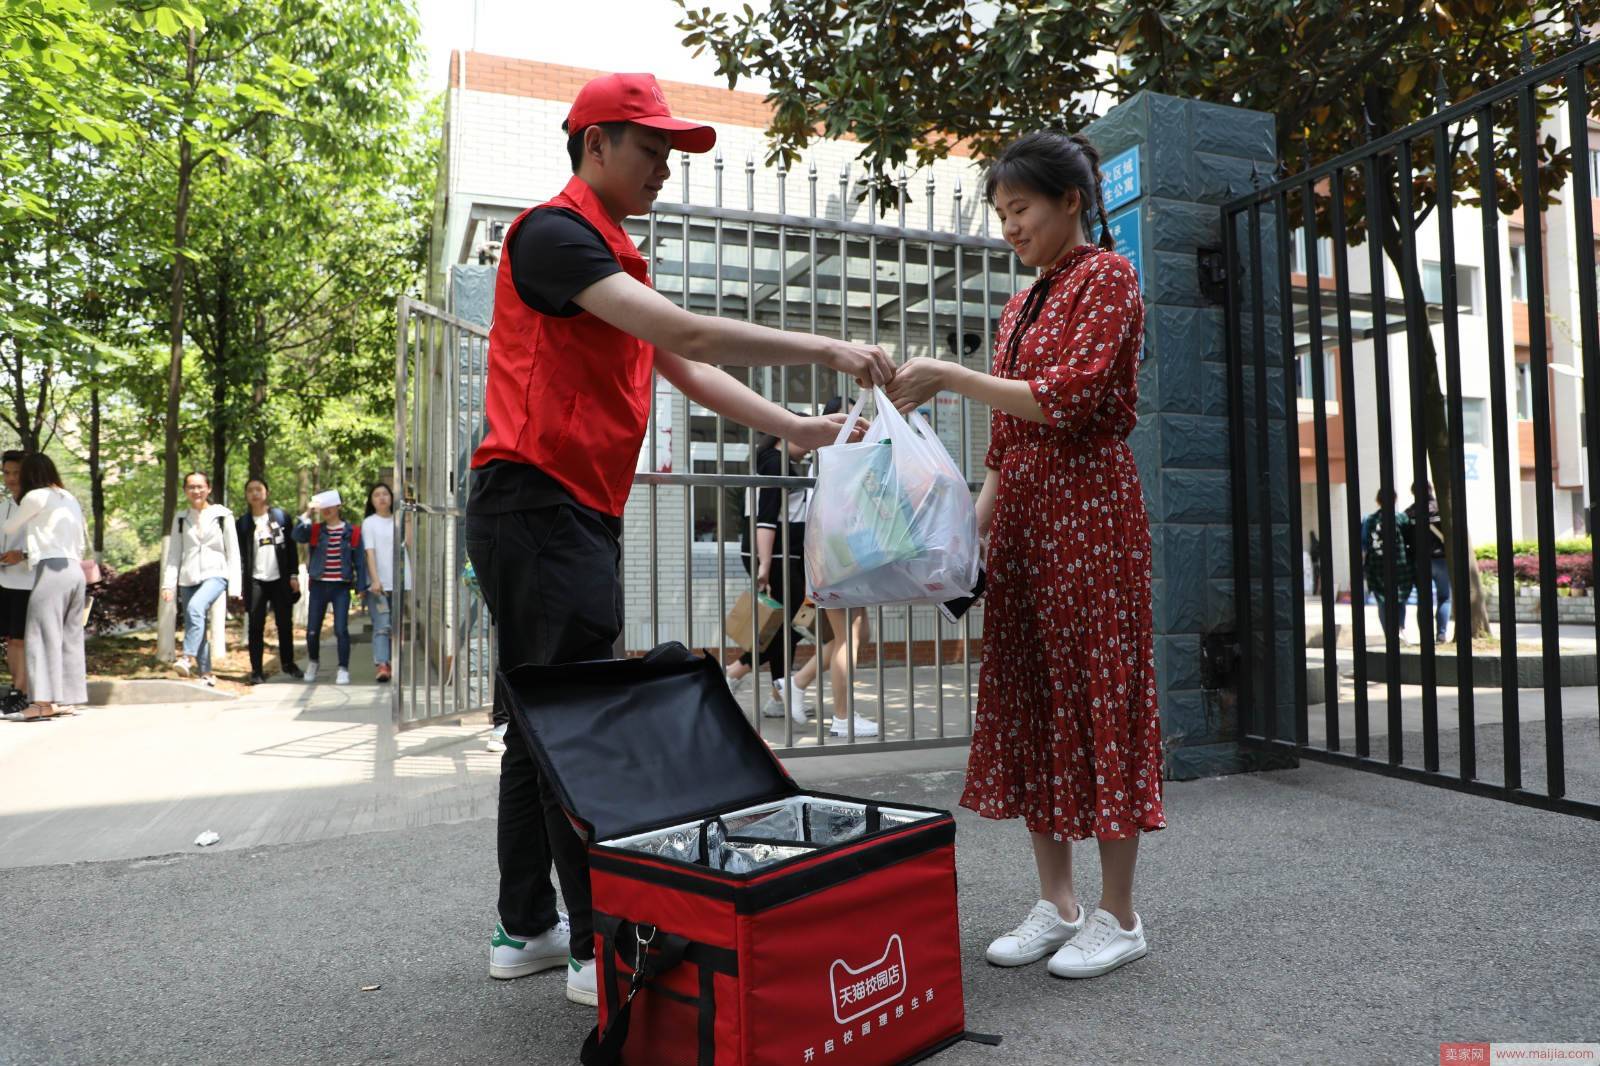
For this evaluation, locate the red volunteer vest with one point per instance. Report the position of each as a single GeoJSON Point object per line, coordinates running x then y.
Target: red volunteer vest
{"type": "Point", "coordinates": [570, 396]}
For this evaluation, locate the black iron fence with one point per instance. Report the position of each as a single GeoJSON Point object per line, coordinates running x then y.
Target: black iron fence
{"type": "Point", "coordinates": [1414, 320]}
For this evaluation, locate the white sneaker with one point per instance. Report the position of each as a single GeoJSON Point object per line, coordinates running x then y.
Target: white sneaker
{"type": "Point", "coordinates": [497, 739]}
{"type": "Point", "coordinates": [738, 685]}
{"type": "Point", "coordinates": [183, 666]}
{"type": "Point", "coordinates": [865, 727]}
{"type": "Point", "coordinates": [1101, 947]}
{"type": "Point", "coordinates": [796, 700]}
{"type": "Point", "coordinates": [1040, 933]}
{"type": "Point", "coordinates": [210, 680]}
{"type": "Point", "coordinates": [512, 957]}
{"type": "Point", "coordinates": [773, 708]}
{"type": "Point", "coordinates": [581, 983]}
{"type": "Point", "coordinates": [342, 677]}
{"type": "Point", "coordinates": [311, 671]}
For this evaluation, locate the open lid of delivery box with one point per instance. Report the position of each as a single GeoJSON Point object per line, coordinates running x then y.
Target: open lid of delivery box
{"type": "Point", "coordinates": [632, 744]}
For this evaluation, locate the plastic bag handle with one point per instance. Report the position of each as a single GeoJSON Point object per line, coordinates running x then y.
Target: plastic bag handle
{"type": "Point", "coordinates": [855, 416]}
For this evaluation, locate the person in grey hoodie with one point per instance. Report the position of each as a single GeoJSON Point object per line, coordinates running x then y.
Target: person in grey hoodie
{"type": "Point", "coordinates": [202, 564]}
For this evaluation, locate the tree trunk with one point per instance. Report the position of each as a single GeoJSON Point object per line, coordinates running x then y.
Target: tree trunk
{"type": "Point", "coordinates": [97, 489]}
{"type": "Point", "coordinates": [1435, 422]}
{"type": "Point", "coordinates": [219, 388]}
{"type": "Point", "coordinates": [258, 407]}
{"type": "Point", "coordinates": [180, 239]}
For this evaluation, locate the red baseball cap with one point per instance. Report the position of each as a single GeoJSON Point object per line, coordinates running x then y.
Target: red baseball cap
{"type": "Point", "coordinates": [635, 98]}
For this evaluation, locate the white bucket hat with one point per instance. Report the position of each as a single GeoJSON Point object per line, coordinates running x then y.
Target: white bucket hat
{"type": "Point", "coordinates": [329, 498]}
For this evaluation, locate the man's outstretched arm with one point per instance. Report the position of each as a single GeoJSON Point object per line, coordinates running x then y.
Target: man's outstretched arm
{"type": "Point", "coordinates": [636, 309]}
{"type": "Point", "coordinates": [729, 397]}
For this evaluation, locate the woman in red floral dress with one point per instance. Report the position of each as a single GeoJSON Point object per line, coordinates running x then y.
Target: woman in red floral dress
{"type": "Point", "coordinates": [1067, 736]}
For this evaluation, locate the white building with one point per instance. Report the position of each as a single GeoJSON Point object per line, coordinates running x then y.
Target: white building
{"type": "Point", "coordinates": [1571, 492]}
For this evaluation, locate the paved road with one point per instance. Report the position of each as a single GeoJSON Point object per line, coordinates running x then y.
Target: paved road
{"type": "Point", "coordinates": [1312, 915]}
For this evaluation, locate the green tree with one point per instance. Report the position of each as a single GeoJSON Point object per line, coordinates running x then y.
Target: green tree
{"type": "Point", "coordinates": [910, 81]}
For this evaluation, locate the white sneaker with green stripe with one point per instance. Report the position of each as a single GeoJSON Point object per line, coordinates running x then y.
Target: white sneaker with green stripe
{"type": "Point", "coordinates": [511, 957]}
{"type": "Point", "coordinates": [581, 986]}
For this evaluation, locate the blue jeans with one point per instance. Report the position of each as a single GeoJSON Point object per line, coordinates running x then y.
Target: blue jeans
{"type": "Point", "coordinates": [1441, 596]}
{"type": "Point", "coordinates": [194, 604]}
{"type": "Point", "coordinates": [1392, 613]}
{"type": "Point", "coordinates": [323, 595]}
{"type": "Point", "coordinates": [379, 607]}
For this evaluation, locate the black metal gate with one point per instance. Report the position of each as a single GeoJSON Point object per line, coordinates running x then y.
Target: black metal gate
{"type": "Point", "coordinates": [1363, 331]}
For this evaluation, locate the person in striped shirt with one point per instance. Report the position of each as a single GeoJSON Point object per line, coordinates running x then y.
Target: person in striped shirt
{"type": "Point", "coordinates": [337, 566]}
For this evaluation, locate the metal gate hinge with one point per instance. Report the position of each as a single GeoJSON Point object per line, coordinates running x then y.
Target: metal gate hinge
{"type": "Point", "coordinates": [1213, 268]}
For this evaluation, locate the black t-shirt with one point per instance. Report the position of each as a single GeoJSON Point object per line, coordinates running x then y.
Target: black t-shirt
{"type": "Point", "coordinates": [555, 255]}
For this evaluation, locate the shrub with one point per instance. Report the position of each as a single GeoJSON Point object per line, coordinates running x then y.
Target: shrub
{"type": "Point", "coordinates": [126, 598]}
{"type": "Point", "coordinates": [1563, 545]}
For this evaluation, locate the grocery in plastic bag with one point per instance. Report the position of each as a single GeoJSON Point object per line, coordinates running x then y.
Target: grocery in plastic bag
{"type": "Point", "coordinates": [891, 519]}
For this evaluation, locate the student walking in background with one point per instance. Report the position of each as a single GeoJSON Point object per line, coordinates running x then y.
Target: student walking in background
{"type": "Point", "coordinates": [1424, 511]}
{"type": "Point", "coordinates": [202, 564]}
{"type": "Point", "coordinates": [337, 566]}
{"type": "Point", "coordinates": [16, 584]}
{"type": "Point", "coordinates": [270, 563]}
{"type": "Point", "coordinates": [57, 539]}
{"type": "Point", "coordinates": [377, 534]}
{"type": "Point", "coordinates": [1374, 568]}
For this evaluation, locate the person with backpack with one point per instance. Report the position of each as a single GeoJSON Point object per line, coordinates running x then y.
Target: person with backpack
{"type": "Point", "coordinates": [337, 566]}
{"type": "Point", "coordinates": [1374, 553]}
{"type": "Point", "coordinates": [1424, 510]}
{"type": "Point", "coordinates": [271, 569]}
{"type": "Point", "coordinates": [202, 564]}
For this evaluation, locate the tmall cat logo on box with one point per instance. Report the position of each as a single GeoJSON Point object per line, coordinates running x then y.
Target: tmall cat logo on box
{"type": "Point", "coordinates": [860, 990]}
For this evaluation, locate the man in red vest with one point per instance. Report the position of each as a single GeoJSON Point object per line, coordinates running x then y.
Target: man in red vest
{"type": "Point", "coordinates": [578, 334]}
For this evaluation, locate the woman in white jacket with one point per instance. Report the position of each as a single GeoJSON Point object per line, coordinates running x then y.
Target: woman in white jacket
{"type": "Point", "coordinates": [202, 564]}
{"type": "Point", "coordinates": [56, 538]}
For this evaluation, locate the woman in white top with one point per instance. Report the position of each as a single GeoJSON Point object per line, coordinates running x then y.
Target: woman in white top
{"type": "Point", "coordinates": [377, 536]}
{"type": "Point", "coordinates": [202, 564]}
{"type": "Point", "coordinates": [57, 678]}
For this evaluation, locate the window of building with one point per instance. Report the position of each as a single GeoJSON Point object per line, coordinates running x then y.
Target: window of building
{"type": "Point", "coordinates": [1525, 392]}
{"type": "Point", "coordinates": [1580, 523]}
{"type": "Point", "coordinates": [1324, 254]}
{"type": "Point", "coordinates": [1466, 286]}
{"type": "Point", "coordinates": [1474, 420]}
{"type": "Point", "coordinates": [1519, 272]}
{"type": "Point", "coordinates": [1302, 370]}
{"type": "Point", "coordinates": [1594, 173]}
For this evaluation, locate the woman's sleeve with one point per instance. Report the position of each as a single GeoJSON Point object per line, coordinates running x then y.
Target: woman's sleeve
{"type": "Point", "coordinates": [169, 568]}
{"type": "Point", "coordinates": [32, 503]}
{"type": "Point", "coordinates": [1070, 390]}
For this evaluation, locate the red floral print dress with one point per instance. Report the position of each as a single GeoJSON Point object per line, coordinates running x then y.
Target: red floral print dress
{"type": "Point", "coordinates": [1067, 734]}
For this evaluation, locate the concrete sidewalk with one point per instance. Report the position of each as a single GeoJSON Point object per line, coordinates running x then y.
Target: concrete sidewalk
{"type": "Point", "coordinates": [1312, 915]}
{"type": "Point", "coordinates": [286, 763]}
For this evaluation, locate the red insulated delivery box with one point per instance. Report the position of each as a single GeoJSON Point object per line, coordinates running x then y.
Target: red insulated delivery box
{"type": "Point", "coordinates": [740, 920]}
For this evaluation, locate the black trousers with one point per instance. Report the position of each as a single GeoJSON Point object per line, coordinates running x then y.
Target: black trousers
{"type": "Point", "coordinates": [280, 598]}
{"type": "Point", "coordinates": [552, 579]}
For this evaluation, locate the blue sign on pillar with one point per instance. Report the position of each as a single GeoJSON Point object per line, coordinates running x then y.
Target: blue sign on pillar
{"type": "Point", "coordinates": [1119, 179]}
{"type": "Point", "coordinates": [1125, 230]}
{"type": "Point", "coordinates": [1128, 233]}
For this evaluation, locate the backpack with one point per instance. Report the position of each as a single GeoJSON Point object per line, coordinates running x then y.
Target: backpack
{"type": "Point", "coordinates": [1374, 551]}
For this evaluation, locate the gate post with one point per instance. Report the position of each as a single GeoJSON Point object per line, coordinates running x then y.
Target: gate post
{"type": "Point", "coordinates": [1169, 164]}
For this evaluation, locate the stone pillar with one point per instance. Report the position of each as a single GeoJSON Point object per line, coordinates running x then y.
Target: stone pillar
{"type": "Point", "coordinates": [1191, 158]}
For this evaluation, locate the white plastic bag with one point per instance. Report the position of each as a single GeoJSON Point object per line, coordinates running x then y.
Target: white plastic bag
{"type": "Point", "coordinates": [891, 519]}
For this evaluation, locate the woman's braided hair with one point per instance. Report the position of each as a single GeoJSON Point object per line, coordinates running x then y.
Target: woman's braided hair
{"type": "Point", "coordinates": [1052, 162]}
